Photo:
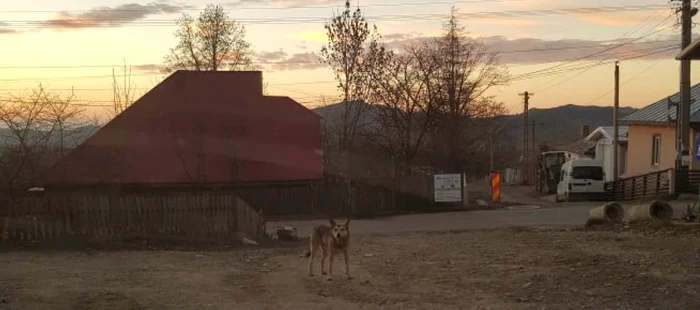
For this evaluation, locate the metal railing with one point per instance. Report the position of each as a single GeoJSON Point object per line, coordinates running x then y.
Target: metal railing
{"type": "Point", "coordinates": [652, 184]}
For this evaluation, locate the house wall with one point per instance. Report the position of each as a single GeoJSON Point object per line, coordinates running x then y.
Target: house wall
{"type": "Point", "coordinates": [639, 144]}
{"type": "Point", "coordinates": [604, 153]}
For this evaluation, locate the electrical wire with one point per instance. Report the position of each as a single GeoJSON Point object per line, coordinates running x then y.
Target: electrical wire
{"type": "Point", "coordinates": [625, 34]}
{"type": "Point", "coordinates": [93, 23]}
{"type": "Point", "coordinates": [241, 7]}
{"type": "Point", "coordinates": [652, 65]}
{"type": "Point", "coordinates": [601, 62]}
{"type": "Point", "coordinates": [154, 66]}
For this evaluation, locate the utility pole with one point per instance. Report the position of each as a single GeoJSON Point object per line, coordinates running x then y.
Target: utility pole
{"type": "Point", "coordinates": [535, 149]}
{"type": "Point", "coordinates": [491, 162]}
{"type": "Point", "coordinates": [684, 110]}
{"type": "Point", "coordinates": [616, 126]}
{"type": "Point", "coordinates": [526, 164]}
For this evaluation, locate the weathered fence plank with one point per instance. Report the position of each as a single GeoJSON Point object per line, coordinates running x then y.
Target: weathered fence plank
{"type": "Point", "coordinates": [94, 216]}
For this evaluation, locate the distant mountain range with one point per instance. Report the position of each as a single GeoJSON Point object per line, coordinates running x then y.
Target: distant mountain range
{"type": "Point", "coordinates": [71, 138]}
{"type": "Point", "coordinates": [563, 123]}
{"type": "Point", "coordinates": [554, 125]}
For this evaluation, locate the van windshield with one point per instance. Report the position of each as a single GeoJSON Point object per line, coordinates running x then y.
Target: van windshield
{"type": "Point", "coordinates": [590, 173]}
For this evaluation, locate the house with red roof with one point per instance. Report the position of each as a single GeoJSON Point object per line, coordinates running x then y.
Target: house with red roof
{"type": "Point", "coordinates": [199, 128]}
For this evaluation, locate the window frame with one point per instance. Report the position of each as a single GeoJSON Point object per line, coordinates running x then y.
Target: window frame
{"type": "Point", "coordinates": [655, 150]}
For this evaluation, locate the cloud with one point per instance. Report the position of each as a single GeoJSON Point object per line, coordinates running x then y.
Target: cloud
{"type": "Point", "coordinates": [282, 3]}
{"type": "Point", "coordinates": [506, 21]}
{"type": "Point", "coordinates": [533, 50]}
{"type": "Point", "coordinates": [613, 19]}
{"type": "Point", "coordinates": [148, 68]}
{"type": "Point", "coordinates": [5, 28]}
{"type": "Point", "coordinates": [107, 16]}
{"type": "Point", "coordinates": [280, 60]}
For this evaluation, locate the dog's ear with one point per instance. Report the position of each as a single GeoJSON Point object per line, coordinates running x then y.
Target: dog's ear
{"type": "Point", "coordinates": [347, 222]}
{"type": "Point", "coordinates": [333, 223]}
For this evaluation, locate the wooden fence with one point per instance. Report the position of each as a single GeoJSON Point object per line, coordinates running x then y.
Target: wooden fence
{"type": "Point", "coordinates": [107, 216]}
{"type": "Point", "coordinates": [644, 186]}
{"type": "Point", "coordinates": [687, 182]}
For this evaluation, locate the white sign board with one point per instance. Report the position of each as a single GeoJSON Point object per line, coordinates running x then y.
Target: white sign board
{"type": "Point", "coordinates": [448, 187]}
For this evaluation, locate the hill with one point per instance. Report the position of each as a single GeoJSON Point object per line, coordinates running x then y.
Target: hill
{"type": "Point", "coordinates": [71, 138]}
{"type": "Point", "coordinates": [555, 125]}
{"type": "Point", "coordinates": [563, 123]}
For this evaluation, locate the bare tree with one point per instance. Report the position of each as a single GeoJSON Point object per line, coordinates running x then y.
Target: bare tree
{"type": "Point", "coordinates": [213, 42]}
{"type": "Point", "coordinates": [467, 71]}
{"type": "Point", "coordinates": [124, 93]}
{"type": "Point", "coordinates": [406, 98]}
{"type": "Point", "coordinates": [36, 124]}
{"type": "Point", "coordinates": [351, 52]}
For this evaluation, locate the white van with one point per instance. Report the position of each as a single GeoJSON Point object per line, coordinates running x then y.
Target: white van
{"type": "Point", "coordinates": [583, 178]}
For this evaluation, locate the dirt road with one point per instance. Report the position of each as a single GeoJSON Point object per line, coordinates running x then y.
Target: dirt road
{"type": "Point", "coordinates": [508, 268]}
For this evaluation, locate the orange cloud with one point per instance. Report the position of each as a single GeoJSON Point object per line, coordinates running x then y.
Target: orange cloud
{"type": "Point", "coordinates": [613, 19]}
{"type": "Point", "coordinates": [505, 21]}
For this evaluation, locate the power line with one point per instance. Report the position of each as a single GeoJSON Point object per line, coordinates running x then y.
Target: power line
{"type": "Point", "coordinates": [87, 22]}
{"type": "Point", "coordinates": [524, 76]}
{"type": "Point", "coordinates": [242, 8]}
{"type": "Point", "coordinates": [603, 51]}
{"type": "Point", "coordinates": [155, 66]}
{"type": "Point", "coordinates": [634, 29]}
{"type": "Point", "coordinates": [540, 73]}
{"type": "Point", "coordinates": [629, 80]}
{"type": "Point", "coordinates": [159, 74]}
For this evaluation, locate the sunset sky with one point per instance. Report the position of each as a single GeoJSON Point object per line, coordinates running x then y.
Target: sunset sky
{"type": "Point", "coordinates": [61, 45]}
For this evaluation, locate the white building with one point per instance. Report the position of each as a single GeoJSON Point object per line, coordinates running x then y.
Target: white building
{"type": "Point", "coordinates": [602, 137]}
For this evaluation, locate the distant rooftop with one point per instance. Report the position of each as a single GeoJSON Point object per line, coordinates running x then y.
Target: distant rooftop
{"type": "Point", "coordinates": [660, 112]}
{"type": "Point", "coordinates": [607, 132]}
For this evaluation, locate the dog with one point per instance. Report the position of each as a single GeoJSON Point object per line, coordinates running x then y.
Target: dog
{"type": "Point", "coordinates": [331, 240]}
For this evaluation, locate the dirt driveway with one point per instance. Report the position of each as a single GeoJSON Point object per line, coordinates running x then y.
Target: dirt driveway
{"type": "Point", "coordinates": [505, 268]}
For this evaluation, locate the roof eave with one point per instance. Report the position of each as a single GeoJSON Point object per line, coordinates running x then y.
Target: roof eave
{"type": "Point", "coordinates": [690, 52]}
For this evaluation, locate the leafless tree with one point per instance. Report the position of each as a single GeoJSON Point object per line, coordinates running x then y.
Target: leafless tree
{"type": "Point", "coordinates": [212, 42]}
{"type": "Point", "coordinates": [406, 102]}
{"type": "Point", "coordinates": [124, 93]}
{"type": "Point", "coordinates": [467, 71]}
{"type": "Point", "coordinates": [351, 52]}
{"type": "Point", "coordinates": [36, 125]}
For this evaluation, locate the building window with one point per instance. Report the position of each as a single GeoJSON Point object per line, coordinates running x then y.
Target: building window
{"type": "Point", "coordinates": [655, 149]}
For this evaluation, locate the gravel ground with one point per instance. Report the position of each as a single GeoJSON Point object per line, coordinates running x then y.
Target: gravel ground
{"type": "Point", "coordinates": [505, 268]}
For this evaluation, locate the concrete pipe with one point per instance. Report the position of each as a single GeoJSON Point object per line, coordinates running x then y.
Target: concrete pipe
{"type": "Point", "coordinates": [656, 210]}
{"type": "Point", "coordinates": [611, 212]}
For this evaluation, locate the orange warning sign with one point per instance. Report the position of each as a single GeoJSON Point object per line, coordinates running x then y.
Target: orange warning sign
{"type": "Point", "coordinates": [495, 187]}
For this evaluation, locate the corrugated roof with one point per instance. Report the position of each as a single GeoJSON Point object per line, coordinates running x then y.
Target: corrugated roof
{"type": "Point", "coordinates": [580, 146]}
{"type": "Point", "coordinates": [608, 131]}
{"type": "Point", "coordinates": [659, 112]}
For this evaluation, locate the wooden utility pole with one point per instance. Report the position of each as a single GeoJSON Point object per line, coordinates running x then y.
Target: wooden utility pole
{"type": "Point", "coordinates": [684, 110]}
{"type": "Point", "coordinates": [533, 142]}
{"type": "Point", "coordinates": [616, 127]}
{"type": "Point", "coordinates": [526, 163]}
{"type": "Point", "coordinates": [491, 161]}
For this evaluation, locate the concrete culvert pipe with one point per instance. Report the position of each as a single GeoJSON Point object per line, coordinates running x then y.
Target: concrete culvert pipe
{"type": "Point", "coordinates": [611, 212]}
{"type": "Point", "coordinates": [656, 210]}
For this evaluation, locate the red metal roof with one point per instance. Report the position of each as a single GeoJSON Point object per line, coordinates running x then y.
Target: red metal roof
{"type": "Point", "coordinates": [200, 127]}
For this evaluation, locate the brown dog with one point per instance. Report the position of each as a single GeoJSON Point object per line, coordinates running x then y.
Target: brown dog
{"type": "Point", "coordinates": [332, 240]}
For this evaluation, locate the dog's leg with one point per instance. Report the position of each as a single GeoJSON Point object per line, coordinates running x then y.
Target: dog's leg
{"type": "Point", "coordinates": [347, 264]}
{"type": "Point", "coordinates": [330, 265]}
{"type": "Point", "coordinates": [323, 260]}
